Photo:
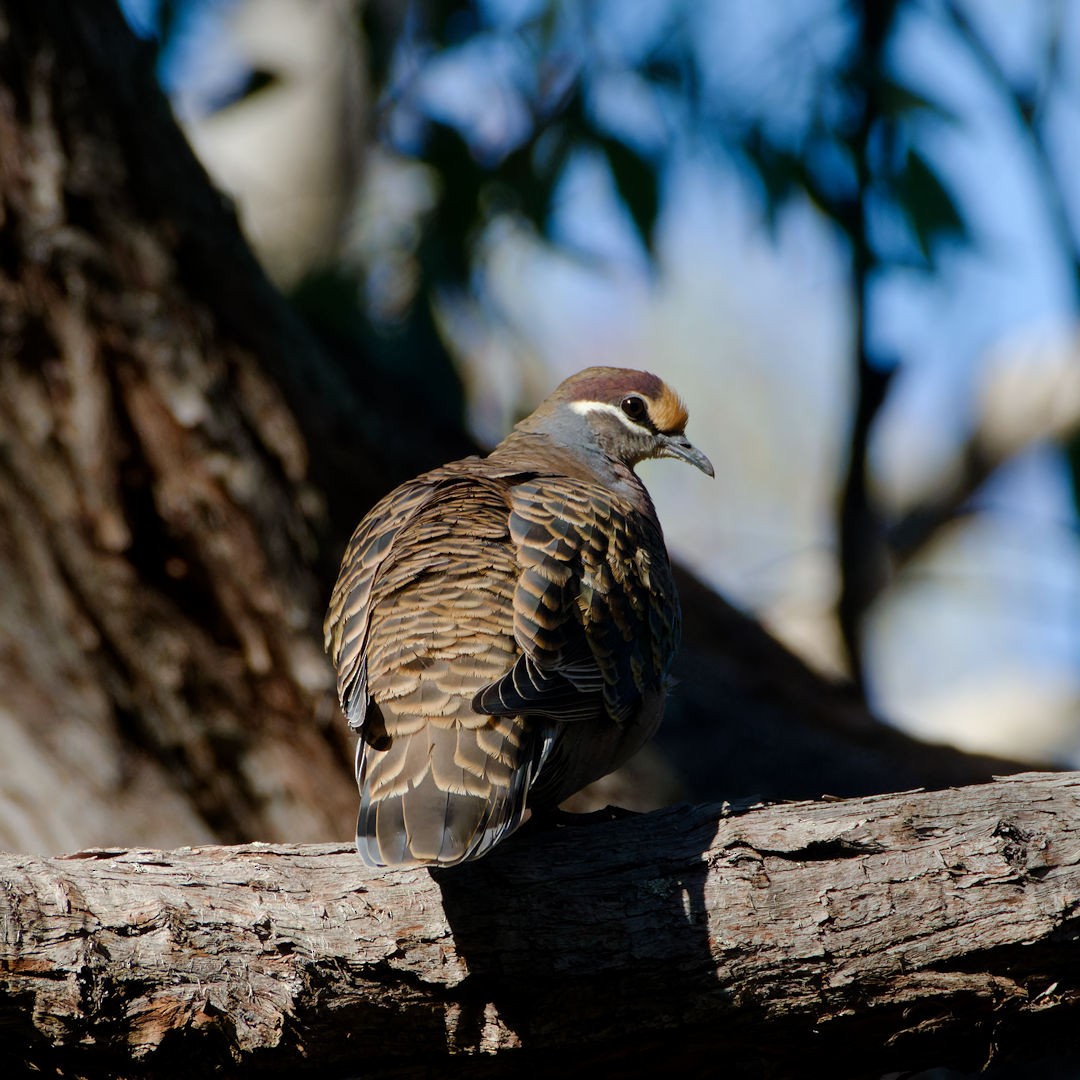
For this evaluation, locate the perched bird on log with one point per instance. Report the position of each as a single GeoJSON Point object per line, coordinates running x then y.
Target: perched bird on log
{"type": "Point", "coordinates": [502, 627]}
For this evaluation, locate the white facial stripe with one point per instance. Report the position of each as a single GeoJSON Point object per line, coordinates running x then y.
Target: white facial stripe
{"type": "Point", "coordinates": [583, 408]}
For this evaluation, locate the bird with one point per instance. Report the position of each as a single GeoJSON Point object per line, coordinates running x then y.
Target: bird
{"type": "Point", "coordinates": [502, 627]}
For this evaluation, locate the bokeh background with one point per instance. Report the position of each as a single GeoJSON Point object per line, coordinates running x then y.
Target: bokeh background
{"type": "Point", "coordinates": [847, 232]}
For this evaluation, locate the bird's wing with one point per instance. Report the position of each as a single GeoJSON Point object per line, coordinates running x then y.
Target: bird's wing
{"type": "Point", "coordinates": [381, 540]}
{"type": "Point", "coordinates": [348, 617]}
{"type": "Point", "coordinates": [421, 620]}
{"type": "Point", "coordinates": [595, 609]}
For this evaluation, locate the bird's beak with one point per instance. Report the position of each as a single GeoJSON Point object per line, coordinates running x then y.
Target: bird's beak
{"type": "Point", "coordinates": [679, 446]}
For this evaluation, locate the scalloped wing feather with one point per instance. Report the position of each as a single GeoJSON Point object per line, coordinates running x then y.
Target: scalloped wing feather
{"type": "Point", "coordinates": [596, 614]}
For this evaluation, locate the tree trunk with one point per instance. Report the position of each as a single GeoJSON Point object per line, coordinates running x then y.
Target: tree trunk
{"type": "Point", "coordinates": [160, 649]}
{"type": "Point", "coordinates": [895, 932]}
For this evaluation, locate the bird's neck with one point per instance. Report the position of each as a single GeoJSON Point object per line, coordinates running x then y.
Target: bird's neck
{"type": "Point", "coordinates": [532, 451]}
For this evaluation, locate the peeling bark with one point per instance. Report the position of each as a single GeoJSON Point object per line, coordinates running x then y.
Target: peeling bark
{"type": "Point", "coordinates": [895, 932]}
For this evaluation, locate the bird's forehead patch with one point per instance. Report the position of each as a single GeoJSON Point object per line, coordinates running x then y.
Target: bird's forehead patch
{"type": "Point", "coordinates": [609, 384]}
{"type": "Point", "coordinates": [667, 411]}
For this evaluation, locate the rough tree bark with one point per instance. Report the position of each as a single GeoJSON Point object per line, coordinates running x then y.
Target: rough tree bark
{"type": "Point", "coordinates": [158, 619]}
{"type": "Point", "coordinates": [895, 932]}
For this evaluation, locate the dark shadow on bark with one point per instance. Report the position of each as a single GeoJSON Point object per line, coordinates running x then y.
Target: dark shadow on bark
{"type": "Point", "coordinates": [637, 919]}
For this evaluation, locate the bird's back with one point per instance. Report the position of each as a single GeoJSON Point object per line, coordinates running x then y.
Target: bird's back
{"type": "Point", "coordinates": [502, 637]}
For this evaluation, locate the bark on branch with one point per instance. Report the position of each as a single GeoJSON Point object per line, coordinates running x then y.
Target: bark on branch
{"type": "Point", "coordinates": [898, 931]}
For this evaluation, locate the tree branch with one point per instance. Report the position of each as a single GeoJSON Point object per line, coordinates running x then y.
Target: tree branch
{"type": "Point", "coordinates": [861, 554]}
{"type": "Point", "coordinates": [899, 931]}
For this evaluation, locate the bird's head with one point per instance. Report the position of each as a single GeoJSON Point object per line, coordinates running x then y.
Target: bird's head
{"type": "Point", "coordinates": [626, 415]}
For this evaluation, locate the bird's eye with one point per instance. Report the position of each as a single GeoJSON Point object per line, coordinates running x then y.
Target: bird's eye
{"type": "Point", "coordinates": [634, 407]}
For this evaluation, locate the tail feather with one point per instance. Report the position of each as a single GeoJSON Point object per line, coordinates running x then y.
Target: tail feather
{"type": "Point", "coordinates": [381, 837]}
{"type": "Point", "coordinates": [447, 793]}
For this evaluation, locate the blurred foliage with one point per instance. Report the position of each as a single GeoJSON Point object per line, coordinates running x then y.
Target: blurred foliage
{"type": "Point", "coordinates": [549, 68]}
{"type": "Point", "coordinates": [498, 100]}
{"type": "Point", "coordinates": [862, 124]}
{"type": "Point", "coordinates": [1028, 102]}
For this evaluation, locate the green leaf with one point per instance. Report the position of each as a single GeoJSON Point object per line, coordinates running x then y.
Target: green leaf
{"type": "Point", "coordinates": [665, 71]}
{"type": "Point", "coordinates": [446, 248]}
{"type": "Point", "coordinates": [1072, 457]}
{"type": "Point", "coordinates": [773, 167]}
{"type": "Point", "coordinates": [897, 101]}
{"type": "Point", "coordinates": [930, 210]}
{"type": "Point", "coordinates": [785, 175]}
{"type": "Point", "coordinates": [637, 183]}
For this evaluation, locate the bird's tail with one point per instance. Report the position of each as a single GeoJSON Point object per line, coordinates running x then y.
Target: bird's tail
{"type": "Point", "coordinates": [445, 792]}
